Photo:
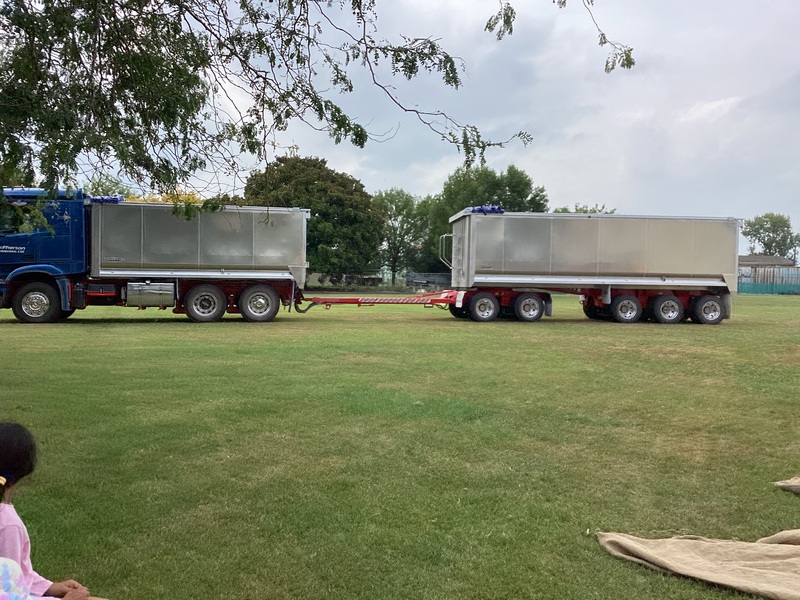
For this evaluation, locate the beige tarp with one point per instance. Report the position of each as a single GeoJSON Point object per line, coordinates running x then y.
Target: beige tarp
{"type": "Point", "coordinates": [769, 567]}
{"type": "Point", "coordinates": [791, 485]}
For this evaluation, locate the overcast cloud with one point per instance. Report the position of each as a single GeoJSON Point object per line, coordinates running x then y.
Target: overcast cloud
{"type": "Point", "coordinates": [706, 123]}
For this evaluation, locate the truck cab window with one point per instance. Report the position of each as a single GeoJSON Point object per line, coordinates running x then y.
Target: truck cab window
{"type": "Point", "coordinates": [9, 218]}
{"type": "Point", "coordinates": [21, 217]}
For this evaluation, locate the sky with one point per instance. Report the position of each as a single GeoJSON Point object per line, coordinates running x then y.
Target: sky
{"type": "Point", "coordinates": [706, 124]}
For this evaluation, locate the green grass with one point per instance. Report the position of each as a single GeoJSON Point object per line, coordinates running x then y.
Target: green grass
{"type": "Point", "coordinates": [395, 452]}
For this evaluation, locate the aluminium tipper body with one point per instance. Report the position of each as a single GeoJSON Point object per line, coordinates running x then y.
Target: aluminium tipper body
{"type": "Point", "coordinates": [148, 240]}
{"type": "Point", "coordinates": [589, 250]}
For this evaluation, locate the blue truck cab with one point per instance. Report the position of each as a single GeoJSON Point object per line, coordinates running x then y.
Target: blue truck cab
{"type": "Point", "coordinates": [38, 263]}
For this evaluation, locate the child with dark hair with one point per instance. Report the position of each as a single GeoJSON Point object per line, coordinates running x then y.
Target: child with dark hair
{"type": "Point", "coordinates": [17, 460]}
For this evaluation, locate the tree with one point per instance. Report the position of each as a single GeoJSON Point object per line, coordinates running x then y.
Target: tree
{"type": "Point", "coordinates": [512, 189]}
{"type": "Point", "coordinates": [185, 203]}
{"type": "Point", "coordinates": [102, 184]}
{"type": "Point", "coordinates": [159, 89]}
{"type": "Point", "coordinates": [14, 173]}
{"type": "Point", "coordinates": [517, 192]}
{"type": "Point", "coordinates": [401, 229]}
{"type": "Point", "coordinates": [85, 80]}
{"type": "Point", "coordinates": [346, 227]}
{"type": "Point", "coordinates": [586, 209]}
{"type": "Point", "coordinates": [429, 214]}
{"type": "Point", "coordinates": [620, 55]}
{"type": "Point", "coordinates": [773, 233]}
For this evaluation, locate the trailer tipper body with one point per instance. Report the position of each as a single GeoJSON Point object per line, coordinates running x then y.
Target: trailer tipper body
{"type": "Point", "coordinates": [624, 267]}
{"type": "Point", "coordinates": [248, 260]}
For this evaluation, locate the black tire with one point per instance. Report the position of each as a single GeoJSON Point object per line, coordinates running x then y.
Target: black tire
{"type": "Point", "coordinates": [37, 302]}
{"type": "Point", "coordinates": [599, 313]}
{"type": "Point", "coordinates": [484, 307]}
{"type": "Point", "coordinates": [708, 310]}
{"type": "Point", "coordinates": [626, 309]}
{"type": "Point", "coordinates": [667, 309]}
{"type": "Point", "coordinates": [591, 311]}
{"type": "Point", "coordinates": [507, 312]}
{"type": "Point", "coordinates": [458, 313]}
{"type": "Point", "coordinates": [529, 307]}
{"type": "Point", "coordinates": [205, 304]}
{"type": "Point", "coordinates": [259, 303]}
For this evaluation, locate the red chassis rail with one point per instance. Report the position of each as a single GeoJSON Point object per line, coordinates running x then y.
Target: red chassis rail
{"type": "Point", "coordinates": [442, 299]}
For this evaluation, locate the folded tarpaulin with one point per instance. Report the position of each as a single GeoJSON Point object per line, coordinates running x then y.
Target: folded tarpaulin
{"type": "Point", "coordinates": [487, 209]}
{"type": "Point", "coordinates": [790, 485]}
{"type": "Point", "coordinates": [769, 567]}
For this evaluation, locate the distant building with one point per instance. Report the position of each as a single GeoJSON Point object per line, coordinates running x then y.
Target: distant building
{"type": "Point", "coordinates": [759, 274]}
{"type": "Point", "coordinates": [760, 260]}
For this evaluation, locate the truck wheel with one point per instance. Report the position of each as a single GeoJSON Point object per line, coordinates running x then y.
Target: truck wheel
{"type": "Point", "coordinates": [205, 303]}
{"type": "Point", "coordinates": [708, 310]}
{"type": "Point", "coordinates": [591, 311]}
{"type": "Point", "coordinates": [458, 313]}
{"type": "Point", "coordinates": [529, 307]}
{"type": "Point", "coordinates": [626, 309]}
{"type": "Point", "coordinates": [259, 303]}
{"type": "Point", "coordinates": [37, 302]}
{"type": "Point", "coordinates": [484, 307]}
{"type": "Point", "coordinates": [667, 309]}
{"type": "Point", "coordinates": [597, 313]}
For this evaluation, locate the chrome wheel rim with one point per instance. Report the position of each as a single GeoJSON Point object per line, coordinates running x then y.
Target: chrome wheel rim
{"type": "Point", "coordinates": [628, 310]}
{"type": "Point", "coordinates": [205, 305]}
{"type": "Point", "coordinates": [711, 310]}
{"type": "Point", "coordinates": [670, 310]}
{"type": "Point", "coordinates": [530, 308]}
{"type": "Point", "coordinates": [35, 304]}
{"type": "Point", "coordinates": [258, 304]}
{"type": "Point", "coordinates": [485, 308]}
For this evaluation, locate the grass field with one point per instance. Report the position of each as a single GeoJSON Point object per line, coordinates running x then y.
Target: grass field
{"type": "Point", "coordinates": [396, 452]}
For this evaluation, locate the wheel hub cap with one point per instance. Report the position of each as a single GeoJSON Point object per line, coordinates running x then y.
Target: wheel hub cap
{"type": "Point", "coordinates": [35, 305]}
{"type": "Point", "coordinates": [259, 304]}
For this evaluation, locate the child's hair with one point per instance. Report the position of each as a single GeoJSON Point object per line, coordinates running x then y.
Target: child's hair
{"type": "Point", "coordinates": [17, 454]}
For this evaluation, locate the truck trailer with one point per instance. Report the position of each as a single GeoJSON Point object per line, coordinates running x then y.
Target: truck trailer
{"type": "Point", "coordinates": [105, 251]}
{"type": "Point", "coordinates": [623, 268]}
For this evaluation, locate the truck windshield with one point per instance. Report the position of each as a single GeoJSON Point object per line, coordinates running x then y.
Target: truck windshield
{"type": "Point", "coordinates": [16, 217]}
{"type": "Point", "coordinates": [9, 219]}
